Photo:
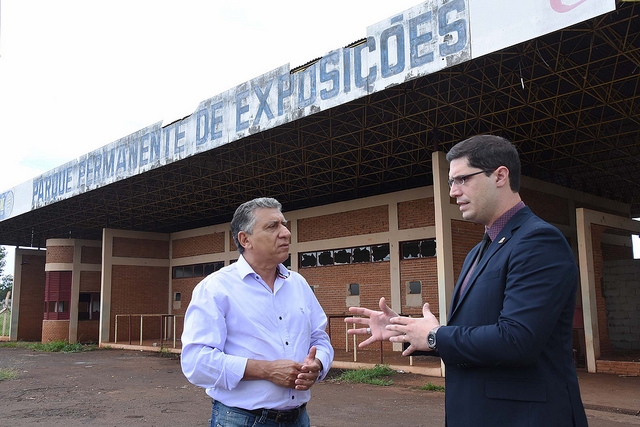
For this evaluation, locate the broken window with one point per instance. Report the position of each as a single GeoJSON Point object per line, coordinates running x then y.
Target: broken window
{"type": "Point", "coordinates": [325, 258]}
{"type": "Point", "coordinates": [362, 254]}
{"type": "Point", "coordinates": [380, 253]}
{"type": "Point", "coordinates": [410, 250]}
{"type": "Point", "coordinates": [308, 259]}
{"type": "Point", "coordinates": [342, 256]}
{"type": "Point", "coordinates": [418, 249]}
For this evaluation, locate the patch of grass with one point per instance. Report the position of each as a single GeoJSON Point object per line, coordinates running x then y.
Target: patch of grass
{"type": "Point", "coordinates": [368, 376]}
{"type": "Point", "coordinates": [165, 352]}
{"type": "Point", "coordinates": [8, 374]}
{"type": "Point", "coordinates": [52, 347]}
{"type": "Point", "coordinates": [432, 387]}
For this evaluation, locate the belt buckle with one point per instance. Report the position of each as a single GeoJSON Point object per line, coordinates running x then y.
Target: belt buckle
{"type": "Point", "coordinates": [286, 416]}
{"type": "Point", "coordinates": [278, 417]}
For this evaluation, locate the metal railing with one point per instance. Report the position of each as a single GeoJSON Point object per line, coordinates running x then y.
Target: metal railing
{"type": "Point", "coordinates": [355, 346]}
{"type": "Point", "coordinates": [346, 337]}
{"type": "Point", "coordinates": [167, 326]}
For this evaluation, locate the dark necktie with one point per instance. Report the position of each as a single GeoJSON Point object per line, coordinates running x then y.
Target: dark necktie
{"type": "Point", "coordinates": [486, 241]}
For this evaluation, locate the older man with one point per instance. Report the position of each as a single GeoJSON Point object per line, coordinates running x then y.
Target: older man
{"type": "Point", "coordinates": [254, 333]}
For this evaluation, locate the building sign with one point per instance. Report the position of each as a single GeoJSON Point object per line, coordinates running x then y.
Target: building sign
{"type": "Point", "coordinates": [6, 204]}
{"type": "Point", "coordinates": [422, 40]}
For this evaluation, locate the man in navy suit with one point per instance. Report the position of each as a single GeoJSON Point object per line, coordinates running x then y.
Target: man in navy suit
{"type": "Point", "coordinates": [507, 345]}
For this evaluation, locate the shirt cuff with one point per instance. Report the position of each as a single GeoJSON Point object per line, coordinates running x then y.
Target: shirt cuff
{"type": "Point", "coordinates": [326, 365]}
{"type": "Point", "coordinates": [234, 368]}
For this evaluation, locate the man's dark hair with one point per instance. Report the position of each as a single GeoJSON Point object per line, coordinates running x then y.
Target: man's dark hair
{"type": "Point", "coordinates": [244, 218]}
{"type": "Point", "coordinates": [489, 152]}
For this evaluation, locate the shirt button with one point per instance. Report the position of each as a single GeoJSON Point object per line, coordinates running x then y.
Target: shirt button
{"type": "Point", "coordinates": [280, 317]}
{"type": "Point", "coordinates": [287, 342]}
{"type": "Point", "coordinates": [293, 397]}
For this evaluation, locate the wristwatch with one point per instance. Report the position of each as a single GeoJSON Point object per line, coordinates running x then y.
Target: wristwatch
{"type": "Point", "coordinates": [431, 338]}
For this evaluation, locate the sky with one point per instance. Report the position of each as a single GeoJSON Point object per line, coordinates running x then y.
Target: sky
{"type": "Point", "coordinates": [76, 75]}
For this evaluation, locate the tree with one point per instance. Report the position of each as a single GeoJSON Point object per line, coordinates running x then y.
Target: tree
{"type": "Point", "coordinates": [3, 261]}
{"type": "Point", "coordinates": [6, 282]}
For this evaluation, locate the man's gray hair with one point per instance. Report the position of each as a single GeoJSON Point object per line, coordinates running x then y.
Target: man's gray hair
{"type": "Point", "coordinates": [244, 218]}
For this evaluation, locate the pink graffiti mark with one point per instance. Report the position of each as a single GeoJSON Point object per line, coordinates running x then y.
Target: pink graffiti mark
{"type": "Point", "coordinates": [560, 7]}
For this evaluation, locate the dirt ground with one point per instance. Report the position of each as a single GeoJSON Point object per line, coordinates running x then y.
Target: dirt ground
{"type": "Point", "coordinates": [133, 388]}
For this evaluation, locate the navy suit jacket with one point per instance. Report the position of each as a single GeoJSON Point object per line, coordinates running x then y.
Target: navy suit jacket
{"type": "Point", "coordinates": [507, 346]}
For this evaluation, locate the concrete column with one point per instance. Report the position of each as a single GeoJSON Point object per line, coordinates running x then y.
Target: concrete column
{"type": "Point", "coordinates": [75, 291]}
{"type": "Point", "coordinates": [394, 264]}
{"type": "Point", "coordinates": [588, 288]}
{"type": "Point", "coordinates": [394, 258]}
{"type": "Point", "coordinates": [444, 240]}
{"type": "Point", "coordinates": [293, 248]}
{"type": "Point", "coordinates": [105, 293]}
{"type": "Point", "coordinates": [15, 295]}
{"type": "Point", "coordinates": [444, 244]}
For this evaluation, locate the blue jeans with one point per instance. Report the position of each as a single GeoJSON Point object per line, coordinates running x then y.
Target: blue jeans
{"type": "Point", "coordinates": [225, 416]}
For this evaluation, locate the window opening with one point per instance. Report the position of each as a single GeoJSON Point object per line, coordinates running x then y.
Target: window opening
{"type": "Point", "coordinates": [415, 287]}
{"type": "Point", "coordinates": [354, 289]}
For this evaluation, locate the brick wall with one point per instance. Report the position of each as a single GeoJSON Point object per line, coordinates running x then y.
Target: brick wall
{"type": "Point", "coordinates": [601, 306]}
{"type": "Point", "coordinates": [416, 213]}
{"type": "Point", "coordinates": [140, 248]}
{"type": "Point", "coordinates": [59, 254]}
{"type": "Point", "coordinates": [621, 289]}
{"type": "Point", "coordinates": [616, 252]}
{"type": "Point", "coordinates": [31, 298]}
{"type": "Point", "coordinates": [554, 209]}
{"type": "Point", "coordinates": [618, 367]}
{"type": "Point", "coordinates": [88, 331]}
{"type": "Point", "coordinates": [198, 245]}
{"type": "Point", "coordinates": [232, 243]}
{"type": "Point", "coordinates": [55, 330]}
{"type": "Point", "coordinates": [465, 236]}
{"type": "Point", "coordinates": [353, 223]}
{"type": "Point", "coordinates": [426, 271]}
{"type": "Point", "coordinates": [90, 281]}
{"type": "Point", "coordinates": [185, 287]}
{"type": "Point", "coordinates": [331, 289]}
{"type": "Point", "coordinates": [138, 290]}
{"type": "Point", "coordinates": [91, 255]}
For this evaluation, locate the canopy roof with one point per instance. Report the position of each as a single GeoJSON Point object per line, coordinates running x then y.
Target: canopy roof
{"type": "Point", "coordinates": [569, 101]}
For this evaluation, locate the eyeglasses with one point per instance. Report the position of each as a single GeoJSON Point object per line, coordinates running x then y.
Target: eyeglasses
{"type": "Point", "coordinates": [460, 180]}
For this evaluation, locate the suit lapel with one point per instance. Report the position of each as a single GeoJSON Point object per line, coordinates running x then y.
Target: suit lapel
{"type": "Point", "coordinates": [501, 239]}
{"type": "Point", "coordinates": [465, 270]}
{"type": "Point", "coordinates": [492, 249]}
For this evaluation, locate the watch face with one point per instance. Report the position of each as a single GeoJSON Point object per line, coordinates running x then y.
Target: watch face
{"type": "Point", "coordinates": [431, 340]}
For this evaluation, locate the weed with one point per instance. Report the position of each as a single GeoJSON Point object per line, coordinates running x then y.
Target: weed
{"type": "Point", "coordinates": [165, 352]}
{"type": "Point", "coordinates": [432, 387]}
{"type": "Point", "coordinates": [368, 376]}
{"type": "Point", "coordinates": [7, 374]}
{"type": "Point", "coordinates": [51, 347]}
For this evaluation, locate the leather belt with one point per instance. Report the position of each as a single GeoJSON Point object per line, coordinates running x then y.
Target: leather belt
{"type": "Point", "coordinates": [277, 416]}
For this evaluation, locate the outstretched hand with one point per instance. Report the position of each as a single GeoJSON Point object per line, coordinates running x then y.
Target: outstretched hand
{"type": "Point", "coordinates": [377, 321]}
{"type": "Point", "coordinates": [413, 330]}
